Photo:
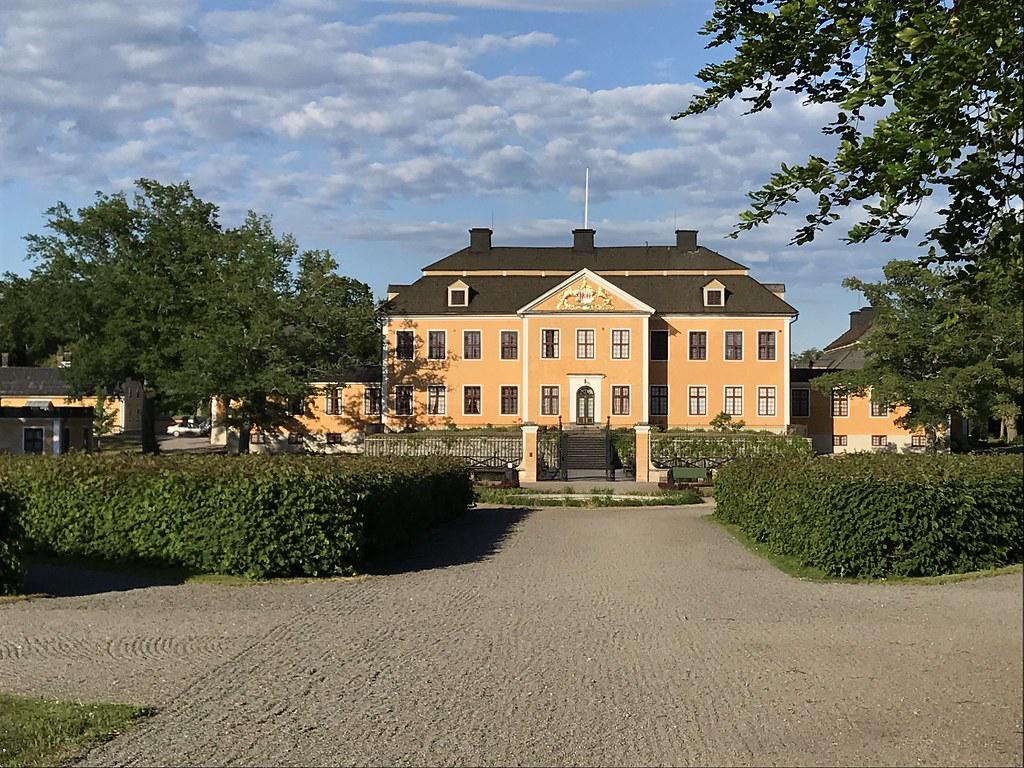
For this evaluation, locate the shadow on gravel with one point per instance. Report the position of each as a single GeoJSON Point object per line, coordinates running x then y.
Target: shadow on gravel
{"type": "Point", "coordinates": [475, 536]}
{"type": "Point", "coordinates": [70, 578]}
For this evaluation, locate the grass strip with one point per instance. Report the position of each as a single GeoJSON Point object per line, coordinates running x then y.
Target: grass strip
{"type": "Point", "coordinates": [39, 732]}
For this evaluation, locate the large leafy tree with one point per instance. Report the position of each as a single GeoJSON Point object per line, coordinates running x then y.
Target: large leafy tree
{"type": "Point", "coordinates": [926, 96]}
{"type": "Point", "coordinates": [153, 288]}
{"type": "Point", "coordinates": [938, 349]}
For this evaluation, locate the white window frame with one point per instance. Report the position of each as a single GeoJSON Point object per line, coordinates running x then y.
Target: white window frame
{"type": "Point", "coordinates": [775, 347]}
{"type": "Point", "coordinates": [668, 339]}
{"type": "Point", "coordinates": [444, 400]}
{"type": "Point", "coordinates": [558, 344]}
{"type": "Point", "coordinates": [725, 346]}
{"type": "Point", "coordinates": [707, 346]}
{"type": "Point", "coordinates": [456, 287]}
{"type": "Point", "coordinates": [464, 388]}
{"type": "Point", "coordinates": [668, 400]}
{"type": "Point", "coordinates": [793, 412]}
{"type": "Point", "coordinates": [593, 346]}
{"type": "Point", "coordinates": [444, 346]}
{"type": "Point", "coordinates": [832, 405]}
{"type": "Point", "coordinates": [412, 399]}
{"type": "Point", "coordinates": [398, 346]}
{"type": "Point", "coordinates": [843, 441]}
{"type": "Point", "coordinates": [629, 344]}
{"type": "Point", "coordinates": [774, 399]}
{"type": "Point", "coordinates": [380, 401]}
{"type": "Point", "coordinates": [501, 348]}
{"type": "Point", "coordinates": [883, 444]}
{"type": "Point", "coordinates": [335, 394]}
{"type": "Point", "coordinates": [501, 400]}
{"type": "Point", "coordinates": [725, 399]}
{"type": "Point", "coordinates": [708, 288]}
{"type": "Point", "coordinates": [689, 399]}
{"type": "Point", "coordinates": [558, 397]}
{"type": "Point", "coordinates": [629, 399]}
{"type": "Point", "coordinates": [472, 330]}
{"type": "Point", "coordinates": [871, 409]}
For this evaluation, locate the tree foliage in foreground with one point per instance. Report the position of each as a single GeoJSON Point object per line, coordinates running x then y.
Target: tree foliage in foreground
{"type": "Point", "coordinates": [938, 348]}
{"type": "Point", "coordinates": [154, 288]}
{"type": "Point", "coordinates": [948, 80]}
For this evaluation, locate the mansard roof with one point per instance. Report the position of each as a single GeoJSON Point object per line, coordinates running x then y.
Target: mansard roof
{"type": "Point", "coordinates": [505, 295]}
{"type": "Point", "coordinates": [26, 381]}
{"type": "Point", "coordinates": [599, 259]}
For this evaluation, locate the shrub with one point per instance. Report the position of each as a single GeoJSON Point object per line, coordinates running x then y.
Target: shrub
{"type": "Point", "coordinates": [10, 546]}
{"type": "Point", "coordinates": [250, 515]}
{"type": "Point", "coordinates": [878, 515]}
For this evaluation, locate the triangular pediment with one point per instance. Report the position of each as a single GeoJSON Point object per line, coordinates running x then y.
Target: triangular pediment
{"type": "Point", "coordinates": [586, 291]}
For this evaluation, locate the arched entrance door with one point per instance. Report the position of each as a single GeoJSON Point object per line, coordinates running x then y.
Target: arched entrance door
{"type": "Point", "coordinates": [585, 405]}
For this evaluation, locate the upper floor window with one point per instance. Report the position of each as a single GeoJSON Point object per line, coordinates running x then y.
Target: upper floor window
{"type": "Point", "coordinates": [585, 344]}
{"type": "Point", "coordinates": [766, 345]}
{"type": "Point", "coordinates": [620, 344]}
{"type": "Point", "coordinates": [714, 294]}
{"type": "Point", "coordinates": [332, 403]}
{"type": "Point", "coordinates": [436, 345]}
{"type": "Point", "coordinates": [458, 294]}
{"type": "Point", "coordinates": [879, 409]}
{"type": "Point", "coordinates": [404, 345]}
{"type": "Point", "coordinates": [715, 298]}
{"type": "Point", "coordinates": [734, 345]}
{"type": "Point", "coordinates": [549, 343]}
{"type": "Point", "coordinates": [472, 348]}
{"type": "Point", "coordinates": [659, 345]}
{"type": "Point", "coordinates": [801, 403]}
{"type": "Point", "coordinates": [840, 404]}
{"type": "Point", "coordinates": [510, 345]}
{"type": "Point", "coordinates": [698, 345]}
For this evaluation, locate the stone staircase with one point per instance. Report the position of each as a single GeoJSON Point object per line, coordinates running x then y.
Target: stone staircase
{"type": "Point", "coordinates": [585, 449]}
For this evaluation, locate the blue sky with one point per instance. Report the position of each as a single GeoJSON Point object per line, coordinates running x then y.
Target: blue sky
{"type": "Point", "coordinates": [383, 131]}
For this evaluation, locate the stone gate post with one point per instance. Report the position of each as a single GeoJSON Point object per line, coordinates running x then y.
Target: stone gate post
{"type": "Point", "coordinates": [643, 453]}
{"type": "Point", "coordinates": [528, 467]}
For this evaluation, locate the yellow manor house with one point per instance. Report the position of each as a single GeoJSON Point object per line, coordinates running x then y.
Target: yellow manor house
{"type": "Point", "coordinates": [666, 335]}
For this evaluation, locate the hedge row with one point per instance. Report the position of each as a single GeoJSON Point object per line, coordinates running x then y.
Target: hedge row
{"type": "Point", "coordinates": [874, 515]}
{"type": "Point", "coordinates": [252, 515]}
{"type": "Point", "coordinates": [10, 546]}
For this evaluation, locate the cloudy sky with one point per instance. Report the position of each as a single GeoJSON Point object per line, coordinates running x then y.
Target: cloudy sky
{"type": "Point", "coordinates": [383, 131]}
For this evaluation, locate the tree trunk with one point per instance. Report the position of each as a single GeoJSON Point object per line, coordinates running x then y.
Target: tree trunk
{"type": "Point", "coordinates": [148, 423]}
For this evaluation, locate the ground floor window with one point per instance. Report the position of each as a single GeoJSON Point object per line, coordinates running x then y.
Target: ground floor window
{"type": "Point", "coordinates": [437, 404]}
{"type": "Point", "coordinates": [620, 401]}
{"type": "Point", "coordinates": [659, 400]}
{"type": "Point", "coordinates": [766, 401]}
{"type": "Point", "coordinates": [549, 401]}
{"type": "Point", "coordinates": [32, 439]}
{"type": "Point", "coordinates": [471, 401]}
{"type": "Point", "coordinates": [838, 441]}
{"type": "Point", "coordinates": [332, 404]}
{"type": "Point", "coordinates": [509, 401]}
{"type": "Point", "coordinates": [734, 401]}
{"type": "Point", "coordinates": [919, 441]}
{"type": "Point", "coordinates": [878, 441]}
{"type": "Point", "coordinates": [801, 403]}
{"type": "Point", "coordinates": [403, 400]}
{"type": "Point", "coordinates": [371, 401]}
{"type": "Point", "coordinates": [698, 401]}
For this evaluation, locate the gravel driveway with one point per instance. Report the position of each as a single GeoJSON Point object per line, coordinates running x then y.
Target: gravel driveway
{"type": "Point", "coordinates": [559, 636]}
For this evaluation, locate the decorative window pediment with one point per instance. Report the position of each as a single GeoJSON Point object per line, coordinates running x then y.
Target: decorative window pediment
{"type": "Point", "coordinates": [714, 294]}
{"type": "Point", "coordinates": [458, 294]}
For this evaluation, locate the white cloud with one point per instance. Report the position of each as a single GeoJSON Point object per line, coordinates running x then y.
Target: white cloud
{"type": "Point", "coordinates": [413, 17]}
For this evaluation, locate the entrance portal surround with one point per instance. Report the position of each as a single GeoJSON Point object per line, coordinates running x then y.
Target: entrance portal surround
{"type": "Point", "coordinates": [592, 380]}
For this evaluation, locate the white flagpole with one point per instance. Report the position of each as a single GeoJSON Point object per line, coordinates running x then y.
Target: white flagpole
{"type": "Point", "coordinates": [586, 201]}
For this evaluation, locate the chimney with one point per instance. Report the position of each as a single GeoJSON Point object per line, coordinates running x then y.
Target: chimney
{"type": "Point", "coordinates": [686, 240]}
{"type": "Point", "coordinates": [479, 240]}
{"type": "Point", "coordinates": [583, 240]}
{"type": "Point", "coordinates": [862, 317]}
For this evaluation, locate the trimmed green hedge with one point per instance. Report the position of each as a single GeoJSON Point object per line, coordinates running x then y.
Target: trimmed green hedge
{"type": "Point", "coordinates": [10, 546]}
{"type": "Point", "coordinates": [874, 515]}
{"type": "Point", "coordinates": [250, 515]}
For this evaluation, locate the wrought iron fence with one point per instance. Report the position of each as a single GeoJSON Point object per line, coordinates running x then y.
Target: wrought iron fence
{"type": "Point", "coordinates": [550, 454]}
{"type": "Point", "coordinates": [480, 451]}
{"type": "Point", "coordinates": [710, 450]}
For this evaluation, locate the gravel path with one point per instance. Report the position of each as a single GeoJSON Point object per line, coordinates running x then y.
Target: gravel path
{"type": "Point", "coordinates": [561, 636]}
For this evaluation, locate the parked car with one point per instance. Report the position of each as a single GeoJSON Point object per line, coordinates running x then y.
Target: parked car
{"type": "Point", "coordinates": [190, 426]}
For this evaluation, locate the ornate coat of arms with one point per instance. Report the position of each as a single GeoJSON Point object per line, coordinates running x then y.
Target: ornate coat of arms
{"type": "Point", "coordinates": [585, 296]}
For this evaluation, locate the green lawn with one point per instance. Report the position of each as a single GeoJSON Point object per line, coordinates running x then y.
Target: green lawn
{"type": "Point", "coordinates": [43, 732]}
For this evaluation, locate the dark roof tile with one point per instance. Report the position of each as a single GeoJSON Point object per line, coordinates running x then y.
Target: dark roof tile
{"type": "Point", "coordinates": [599, 260]}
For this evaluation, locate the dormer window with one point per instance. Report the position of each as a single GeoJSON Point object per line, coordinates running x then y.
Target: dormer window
{"type": "Point", "coordinates": [458, 294]}
{"type": "Point", "coordinates": [714, 294]}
